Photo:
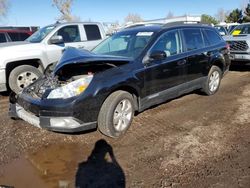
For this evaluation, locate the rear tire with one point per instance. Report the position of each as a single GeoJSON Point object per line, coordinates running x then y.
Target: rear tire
{"type": "Point", "coordinates": [22, 76]}
{"type": "Point", "coordinates": [116, 114]}
{"type": "Point", "coordinates": [212, 84]}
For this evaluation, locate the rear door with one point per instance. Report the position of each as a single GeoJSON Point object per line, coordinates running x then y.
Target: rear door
{"type": "Point", "coordinates": [197, 57]}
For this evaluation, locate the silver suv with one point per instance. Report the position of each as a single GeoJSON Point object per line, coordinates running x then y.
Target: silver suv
{"type": "Point", "coordinates": [21, 63]}
{"type": "Point", "coordinates": [239, 42]}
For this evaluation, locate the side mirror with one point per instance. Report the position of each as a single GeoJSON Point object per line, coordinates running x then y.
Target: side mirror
{"type": "Point", "coordinates": [157, 55]}
{"type": "Point", "coordinates": [56, 40]}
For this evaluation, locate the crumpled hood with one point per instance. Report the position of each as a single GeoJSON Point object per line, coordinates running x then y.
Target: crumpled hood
{"type": "Point", "coordinates": [75, 56]}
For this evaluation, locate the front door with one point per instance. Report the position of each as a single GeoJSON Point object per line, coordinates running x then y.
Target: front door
{"type": "Point", "coordinates": [71, 38]}
{"type": "Point", "coordinates": [162, 75]}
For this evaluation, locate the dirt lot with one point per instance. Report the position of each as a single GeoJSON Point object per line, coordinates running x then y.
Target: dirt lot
{"type": "Point", "coordinates": [192, 141]}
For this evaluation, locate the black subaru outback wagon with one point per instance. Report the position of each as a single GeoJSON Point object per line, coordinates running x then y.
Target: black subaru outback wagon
{"type": "Point", "coordinates": [130, 71]}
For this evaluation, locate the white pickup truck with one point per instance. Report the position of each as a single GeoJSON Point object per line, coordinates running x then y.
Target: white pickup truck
{"type": "Point", "coordinates": [21, 63]}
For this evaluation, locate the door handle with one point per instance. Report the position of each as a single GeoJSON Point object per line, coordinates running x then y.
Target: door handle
{"type": "Point", "coordinates": [182, 62]}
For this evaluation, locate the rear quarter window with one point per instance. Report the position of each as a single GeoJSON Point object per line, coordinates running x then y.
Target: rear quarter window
{"type": "Point", "coordinates": [193, 38]}
{"type": "Point", "coordinates": [212, 36]}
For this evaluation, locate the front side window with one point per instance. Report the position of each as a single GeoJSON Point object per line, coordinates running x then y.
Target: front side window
{"type": "Point", "coordinates": [170, 43]}
{"type": "Point", "coordinates": [193, 39]}
{"type": "Point", "coordinates": [92, 32]}
{"type": "Point", "coordinates": [23, 36]}
{"type": "Point", "coordinates": [69, 34]}
{"type": "Point", "coordinates": [124, 44]}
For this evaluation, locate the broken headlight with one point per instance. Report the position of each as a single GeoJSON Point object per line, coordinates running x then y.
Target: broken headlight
{"type": "Point", "coordinates": [71, 89]}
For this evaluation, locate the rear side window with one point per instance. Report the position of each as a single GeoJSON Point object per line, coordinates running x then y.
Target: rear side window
{"type": "Point", "coordinates": [2, 38]}
{"type": "Point", "coordinates": [92, 32]}
{"type": "Point", "coordinates": [193, 38]}
{"type": "Point", "coordinates": [14, 36]}
{"type": "Point", "coordinates": [212, 36]}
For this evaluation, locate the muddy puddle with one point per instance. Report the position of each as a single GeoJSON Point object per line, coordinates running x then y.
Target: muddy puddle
{"type": "Point", "coordinates": [65, 166]}
{"type": "Point", "coordinates": [52, 166]}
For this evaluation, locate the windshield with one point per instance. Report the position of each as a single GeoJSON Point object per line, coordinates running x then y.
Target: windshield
{"type": "Point", "coordinates": [126, 45]}
{"type": "Point", "coordinates": [241, 30]}
{"type": "Point", "coordinates": [40, 34]}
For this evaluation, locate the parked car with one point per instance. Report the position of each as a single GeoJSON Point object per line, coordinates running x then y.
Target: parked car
{"type": "Point", "coordinates": [222, 30]}
{"type": "Point", "coordinates": [13, 35]}
{"type": "Point", "coordinates": [21, 63]}
{"type": "Point", "coordinates": [229, 26]}
{"type": "Point", "coordinates": [239, 41]}
{"type": "Point", "coordinates": [131, 71]}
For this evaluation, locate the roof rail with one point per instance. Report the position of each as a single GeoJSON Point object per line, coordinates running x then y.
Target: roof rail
{"type": "Point", "coordinates": [142, 24]}
{"type": "Point", "coordinates": [184, 23]}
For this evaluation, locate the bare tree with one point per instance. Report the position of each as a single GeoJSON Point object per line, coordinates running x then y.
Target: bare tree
{"type": "Point", "coordinates": [170, 15]}
{"type": "Point", "coordinates": [131, 17]}
{"type": "Point", "coordinates": [64, 6]}
{"type": "Point", "coordinates": [4, 7]}
{"type": "Point", "coordinates": [244, 4]}
{"type": "Point", "coordinates": [221, 15]}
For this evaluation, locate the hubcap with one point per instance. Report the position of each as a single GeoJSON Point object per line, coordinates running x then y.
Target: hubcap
{"type": "Point", "coordinates": [26, 78]}
{"type": "Point", "coordinates": [214, 81]}
{"type": "Point", "coordinates": [122, 115]}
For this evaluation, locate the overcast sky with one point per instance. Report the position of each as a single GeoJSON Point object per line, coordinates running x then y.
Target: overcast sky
{"type": "Point", "coordinates": [41, 12]}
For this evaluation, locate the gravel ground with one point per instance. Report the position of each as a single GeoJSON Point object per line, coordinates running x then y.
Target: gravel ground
{"type": "Point", "coordinates": [191, 141]}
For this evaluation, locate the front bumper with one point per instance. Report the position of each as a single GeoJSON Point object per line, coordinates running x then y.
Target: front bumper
{"type": "Point", "coordinates": [57, 124]}
{"type": "Point", "coordinates": [239, 56]}
{"type": "Point", "coordinates": [2, 80]}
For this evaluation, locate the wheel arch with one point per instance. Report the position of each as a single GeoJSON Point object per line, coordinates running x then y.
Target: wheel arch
{"type": "Point", "coordinates": [32, 62]}
{"type": "Point", "coordinates": [132, 90]}
{"type": "Point", "coordinates": [220, 62]}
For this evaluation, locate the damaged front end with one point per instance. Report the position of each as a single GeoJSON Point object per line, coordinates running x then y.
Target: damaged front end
{"type": "Point", "coordinates": [52, 101]}
{"type": "Point", "coordinates": [73, 74]}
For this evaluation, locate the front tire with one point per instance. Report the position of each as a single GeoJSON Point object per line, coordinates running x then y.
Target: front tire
{"type": "Point", "coordinates": [22, 76]}
{"type": "Point", "coordinates": [116, 114]}
{"type": "Point", "coordinates": [212, 84]}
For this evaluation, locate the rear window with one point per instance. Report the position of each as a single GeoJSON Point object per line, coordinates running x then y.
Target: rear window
{"type": "Point", "coordinates": [2, 38]}
{"type": "Point", "coordinates": [193, 38]}
{"type": "Point", "coordinates": [212, 36]}
{"type": "Point", "coordinates": [92, 32]}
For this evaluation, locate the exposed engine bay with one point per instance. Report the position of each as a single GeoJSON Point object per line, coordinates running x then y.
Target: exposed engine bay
{"type": "Point", "coordinates": [67, 74]}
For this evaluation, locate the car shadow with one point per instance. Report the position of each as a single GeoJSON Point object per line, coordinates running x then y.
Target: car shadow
{"type": "Point", "coordinates": [101, 169]}
{"type": "Point", "coordinates": [240, 67]}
